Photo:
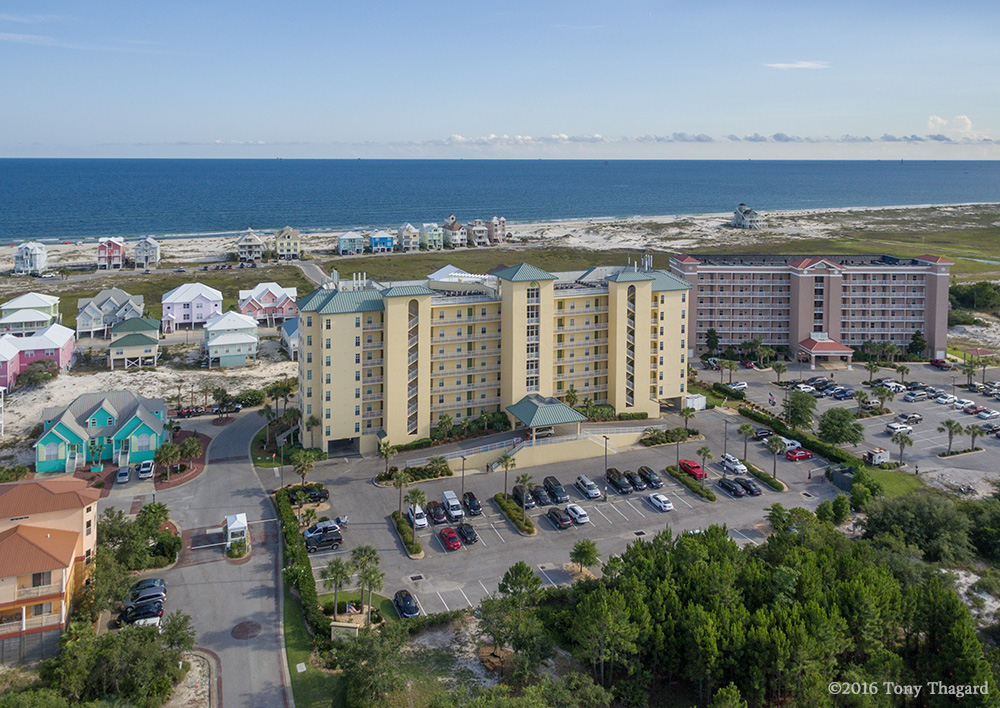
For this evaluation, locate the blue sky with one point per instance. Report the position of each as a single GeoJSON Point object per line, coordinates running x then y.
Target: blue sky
{"type": "Point", "coordinates": [632, 79]}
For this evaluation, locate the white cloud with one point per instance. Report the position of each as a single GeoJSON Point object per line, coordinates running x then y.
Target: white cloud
{"type": "Point", "coordinates": [958, 128]}
{"type": "Point", "coordinates": [800, 65]}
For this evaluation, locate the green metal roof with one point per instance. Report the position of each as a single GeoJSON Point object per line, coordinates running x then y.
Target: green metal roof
{"type": "Point", "coordinates": [407, 291]}
{"type": "Point", "coordinates": [336, 302]}
{"type": "Point", "coordinates": [664, 281]}
{"type": "Point", "coordinates": [536, 411]}
{"type": "Point", "coordinates": [523, 273]}
{"type": "Point", "coordinates": [137, 324]}
{"type": "Point", "coordinates": [136, 339]}
{"type": "Point", "coordinates": [629, 276]}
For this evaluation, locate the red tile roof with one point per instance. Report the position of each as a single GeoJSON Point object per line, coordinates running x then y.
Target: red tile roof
{"type": "Point", "coordinates": [38, 496]}
{"type": "Point", "coordinates": [29, 549]}
{"type": "Point", "coordinates": [979, 352]}
{"type": "Point", "coordinates": [809, 262]}
{"type": "Point", "coordinates": [686, 259]}
{"type": "Point", "coordinates": [824, 346]}
{"type": "Point", "coordinates": [935, 259]}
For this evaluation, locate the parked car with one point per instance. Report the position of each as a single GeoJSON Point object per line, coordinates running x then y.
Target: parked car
{"type": "Point", "coordinates": [541, 496]}
{"type": "Point", "coordinates": [319, 528]}
{"type": "Point", "coordinates": [523, 497]}
{"type": "Point", "coordinates": [916, 386]}
{"type": "Point", "coordinates": [790, 444]}
{"type": "Point", "coordinates": [147, 583]}
{"type": "Point", "coordinates": [749, 486]}
{"type": "Point", "coordinates": [618, 481]}
{"type": "Point", "coordinates": [805, 388]}
{"type": "Point", "coordinates": [587, 487]}
{"type": "Point", "coordinates": [155, 593]}
{"type": "Point", "coordinates": [328, 541]}
{"type": "Point", "coordinates": [962, 403]}
{"type": "Point", "coordinates": [577, 513]}
{"type": "Point", "coordinates": [731, 488]}
{"type": "Point", "coordinates": [545, 432]}
{"type": "Point", "coordinates": [660, 501]}
{"type": "Point", "coordinates": [450, 539]}
{"type": "Point", "coordinates": [990, 414]}
{"type": "Point", "coordinates": [124, 475]}
{"type": "Point", "coordinates": [762, 433]}
{"type": "Point", "coordinates": [145, 469]}
{"type": "Point", "coordinates": [559, 518]}
{"type": "Point", "coordinates": [452, 507]}
{"type": "Point", "coordinates": [945, 399]}
{"type": "Point", "coordinates": [692, 468]}
{"type": "Point", "coordinates": [417, 517]}
{"type": "Point", "coordinates": [915, 396]}
{"type": "Point", "coordinates": [731, 463]}
{"type": "Point", "coordinates": [893, 428]}
{"type": "Point", "coordinates": [974, 410]}
{"type": "Point", "coordinates": [131, 615]}
{"type": "Point", "coordinates": [435, 510]}
{"type": "Point", "coordinates": [467, 533]}
{"type": "Point", "coordinates": [990, 428]}
{"type": "Point", "coordinates": [652, 479]}
{"type": "Point", "coordinates": [636, 480]}
{"type": "Point", "coordinates": [909, 418]}
{"type": "Point", "coordinates": [406, 606]}
{"type": "Point", "coordinates": [314, 493]}
{"type": "Point", "coordinates": [738, 385]}
{"type": "Point", "coordinates": [941, 364]}
{"type": "Point", "coordinates": [472, 504]}
{"type": "Point", "coordinates": [798, 453]}
{"type": "Point", "coordinates": [844, 394]}
{"type": "Point", "coordinates": [555, 489]}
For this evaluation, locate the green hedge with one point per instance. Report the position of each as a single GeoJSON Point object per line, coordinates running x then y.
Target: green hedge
{"type": "Point", "coordinates": [415, 625]}
{"type": "Point", "coordinates": [691, 483]}
{"type": "Point", "coordinates": [417, 474]}
{"type": "Point", "coordinates": [513, 512]}
{"type": "Point", "coordinates": [723, 390]}
{"type": "Point", "coordinates": [413, 546]}
{"type": "Point", "coordinates": [764, 477]}
{"type": "Point", "coordinates": [808, 440]}
{"type": "Point", "coordinates": [415, 445]}
{"type": "Point", "coordinates": [633, 416]}
{"type": "Point", "coordinates": [652, 437]}
{"type": "Point", "coordinates": [298, 569]}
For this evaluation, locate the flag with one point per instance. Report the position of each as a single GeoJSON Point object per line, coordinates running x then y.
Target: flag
{"type": "Point", "coordinates": [770, 399]}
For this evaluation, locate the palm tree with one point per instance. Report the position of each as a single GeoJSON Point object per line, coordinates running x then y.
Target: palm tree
{"type": "Point", "coordinates": [189, 449]}
{"type": "Point", "coordinates": [302, 462]}
{"type": "Point", "coordinates": [687, 414]}
{"type": "Point", "coordinates": [571, 397]}
{"type": "Point", "coordinates": [985, 362]}
{"type": "Point", "coordinates": [508, 463]}
{"type": "Point", "coordinates": [872, 367]}
{"type": "Point", "coordinates": [167, 455]}
{"type": "Point", "coordinates": [862, 398]}
{"type": "Point", "coordinates": [903, 441]}
{"type": "Point", "coordinates": [337, 574]}
{"type": "Point", "coordinates": [267, 413]}
{"type": "Point", "coordinates": [953, 428]}
{"type": "Point", "coordinates": [415, 497]}
{"type": "Point", "coordinates": [729, 366]}
{"type": "Point", "coordinates": [444, 425]}
{"type": "Point", "coordinates": [372, 579]}
{"type": "Point", "coordinates": [778, 368]}
{"type": "Point", "coordinates": [311, 422]}
{"type": "Point", "coordinates": [974, 431]}
{"type": "Point", "coordinates": [774, 446]}
{"type": "Point", "coordinates": [765, 354]}
{"type": "Point", "coordinates": [705, 453]}
{"type": "Point", "coordinates": [438, 464]}
{"type": "Point", "coordinates": [746, 430]}
{"type": "Point", "coordinates": [386, 451]}
{"type": "Point", "coordinates": [903, 371]}
{"type": "Point", "coordinates": [400, 480]}
{"type": "Point", "coordinates": [969, 369]}
{"type": "Point", "coordinates": [309, 517]}
{"type": "Point", "coordinates": [524, 479]}
{"type": "Point", "coordinates": [882, 394]}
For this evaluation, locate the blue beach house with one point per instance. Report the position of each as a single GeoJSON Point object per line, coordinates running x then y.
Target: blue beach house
{"type": "Point", "coordinates": [381, 242]}
{"type": "Point", "coordinates": [117, 426]}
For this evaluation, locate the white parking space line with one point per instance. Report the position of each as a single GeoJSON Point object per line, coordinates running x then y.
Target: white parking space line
{"type": "Point", "coordinates": [744, 536]}
{"type": "Point", "coordinates": [416, 600]}
{"type": "Point", "coordinates": [446, 608]}
{"type": "Point", "coordinates": [483, 587]}
{"type": "Point", "coordinates": [605, 517]}
{"type": "Point", "coordinates": [497, 532]}
{"type": "Point", "coordinates": [465, 596]}
{"type": "Point", "coordinates": [683, 501]}
{"type": "Point", "coordinates": [615, 507]}
{"type": "Point", "coordinates": [440, 542]}
{"type": "Point", "coordinates": [546, 575]}
{"type": "Point", "coordinates": [635, 508]}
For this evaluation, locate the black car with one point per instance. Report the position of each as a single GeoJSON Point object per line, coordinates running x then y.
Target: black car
{"type": "Point", "coordinates": [472, 504]}
{"type": "Point", "coordinates": [990, 428]}
{"type": "Point", "coordinates": [731, 488]}
{"type": "Point", "coordinates": [618, 481]}
{"type": "Point", "coordinates": [749, 486]}
{"type": "Point", "coordinates": [522, 497]}
{"type": "Point", "coordinates": [542, 497]}
{"type": "Point", "coordinates": [762, 433]}
{"type": "Point", "coordinates": [327, 541]}
{"type": "Point", "coordinates": [638, 483]}
{"type": "Point", "coordinates": [139, 612]}
{"type": "Point", "coordinates": [406, 606]}
{"type": "Point", "coordinates": [916, 386]}
{"type": "Point", "coordinates": [467, 533]}
{"type": "Point", "coordinates": [559, 518]}
{"type": "Point", "coordinates": [652, 479]}
{"type": "Point", "coordinates": [555, 489]}
{"type": "Point", "coordinates": [435, 510]}
{"type": "Point", "coordinates": [147, 583]}
{"type": "Point", "coordinates": [314, 494]}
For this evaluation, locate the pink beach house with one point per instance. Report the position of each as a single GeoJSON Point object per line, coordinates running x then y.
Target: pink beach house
{"type": "Point", "coordinates": [269, 303]}
{"type": "Point", "coordinates": [189, 305]}
{"type": "Point", "coordinates": [54, 343]}
{"type": "Point", "coordinates": [110, 254]}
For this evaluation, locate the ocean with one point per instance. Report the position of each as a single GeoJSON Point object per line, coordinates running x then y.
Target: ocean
{"type": "Point", "coordinates": [59, 199]}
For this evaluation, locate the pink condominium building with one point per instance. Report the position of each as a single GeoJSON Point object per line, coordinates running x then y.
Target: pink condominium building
{"type": "Point", "coordinates": [820, 306]}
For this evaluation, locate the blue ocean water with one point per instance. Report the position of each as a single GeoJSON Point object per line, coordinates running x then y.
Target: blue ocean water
{"type": "Point", "coordinates": [71, 199]}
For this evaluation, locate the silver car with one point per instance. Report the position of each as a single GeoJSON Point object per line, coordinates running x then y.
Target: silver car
{"type": "Point", "coordinates": [587, 487]}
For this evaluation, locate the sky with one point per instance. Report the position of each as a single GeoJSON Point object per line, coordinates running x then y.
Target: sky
{"type": "Point", "coordinates": [631, 79]}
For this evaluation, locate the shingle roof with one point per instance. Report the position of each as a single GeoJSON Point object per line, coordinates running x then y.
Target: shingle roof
{"type": "Point", "coordinates": [38, 496]}
{"type": "Point", "coordinates": [249, 237]}
{"type": "Point", "coordinates": [290, 327]}
{"type": "Point", "coordinates": [126, 403]}
{"type": "Point", "coordinates": [686, 259]}
{"type": "Point", "coordinates": [137, 324]}
{"type": "Point", "coordinates": [824, 346]}
{"type": "Point", "coordinates": [135, 339]}
{"type": "Point", "coordinates": [664, 281]}
{"type": "Point", "coordinates": [190, 291]}
{"type": "Point", "coordinates": [629, 276]}
{"type": "Point", "coordinates": [31, 300]}
{"type": "Point", "coordinates": [934, 259]}
{"type": "Point", "coordinates": [54, 336]}
{"type": "Point", "coordinates": [28, 315]}
{"type": "Point", "coordinates": [230, 320]}
{"type": "Point", "coordinates": [116, 295]}
{"type": "Point", "coordinates": [407, 291]}
{"type": "Point", "coordinates": [336, 302]}
{"type": "Point", "coordinates": [29, 549]}
{"type": "Point", "coordinates": [523, 273]}
{"type": "Point", "coordinates": [229, 339]}
{"type": "Point", "coordinates": [262, 289]}
{"type": "Point", "coordinates": [537, 411]}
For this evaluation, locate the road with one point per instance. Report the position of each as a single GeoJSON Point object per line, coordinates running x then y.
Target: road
{"type": "Point", "coordinates": [312, 271]}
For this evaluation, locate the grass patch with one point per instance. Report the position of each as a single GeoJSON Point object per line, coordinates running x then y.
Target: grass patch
{"type": "Point", "coordinates": [382, 603]}
{"type": "Point", "coordinates": [896, 483]}
{"type": "Point", "coordinates": [311, 688]}
{"type": "Point", "coordinates": [265, 460]}
{"type": "Point", "coordinates": [711, 399]}
{"type": "Point", "coordinates": [764, 477]}
{"type": "Point", "coordinates": [514, 513]}
{"type": "Point", "coordinates": [694, 485]}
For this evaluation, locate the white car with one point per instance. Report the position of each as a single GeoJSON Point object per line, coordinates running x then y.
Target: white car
{"type": "Point", "coordinates": [660, 501]}
{"type": "Point", "coordinates": [577, 513]}
{"type": "Point", "coordinates": [417, 517]}
{"type": "Point", "coordinates": [790, 444]}
{"type": "Point", "coordinates": [738, 385]}
{"type": "Point", "coordinates": [47, 276]}
{"type": "Point", "coordinates": [321, 527]}
{"type": "Point", "coordinates": [732, 464]}
{"type": "Point", "coordinates": [893, 428]}
{"type": "Point", "coordinates": [145, 469]}
{"type": "Point", "coordinates": [991, 414]}
{"type": "Point", "coordinates": [895, 387]}
{"type": "Point", "coordinates": [805, 388]}
{"type": "Point", "coordinates": [963, 403]}
{"type": "Point", "coordinates": [945, 399]}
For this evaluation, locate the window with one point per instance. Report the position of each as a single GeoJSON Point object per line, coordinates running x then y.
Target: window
{"type": "Point", "coordinates": [309, 375]}
{"type": "Point", "coordinates": [327, 396]}
{"type": "Point", "coordinates": [142, 443]}
{"type": "Point", "coordinates": [357, 359]}
{"type": "Point", "coordinates": [309, 340]}
{"type": "Point", "coordinates": [357, 393]}
{"type": "Point", "coordinates": [309, 408]}
{"type": "Point", "coordinates": [309, 357]}
{"type": "Point", "coordinates": [326, 412]}
{"type": "Point", "coordinates": [40, 579]}
{"type": "Point", "coordinates": [357, 322]}
{"type": "Point", "coordinates": [89, 527]}
{"type": "Point", "coordinates": [357, 342]}
{"type": "Point", "coordinates": [328, 342]}
{"type": "Point", "coordinates": [43, 608]}
{"type": "Point", "coordinates": [309, 321]}
{"type": "Point", "coordinates": [328, 378]}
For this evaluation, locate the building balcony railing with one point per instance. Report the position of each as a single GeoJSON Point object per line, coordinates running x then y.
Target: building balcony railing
{"type": "Point", "coordinates": [40, 590]}
{"type": "Point", "coordinates": [475, 319]}
{"type": "Point", "coordinates": [412, 358]}
{"type": "Point", "coordinates": [462, 299]}
{"type": "Point", "coordinates": [630, 338]}
{"type": "Point", "coordinates": [370, 346]}
{"type": "Point", "coordinates": [466, 338]}
{"type": "Point", "coordinates": [567, 375]}
{"type": "Point", "coordinates": [19, 625]}
{"type": "Point", "coordinates": [411, 323]}
{"type": "Point", "coordinates": [367, 415]}
{"type": "Point", "coordinates": [475, 386]}
{"type": "Point", "coordinates": [580, 359]}
{"type": "Point", "coordinates": [372, 397]}
{"type": "Point", "coordinates": [372, 326]}
{"type": "Point", "coordinates": [464, 403]}
{"type": "Point", "coordinates": [372, 431]}
{"type": "Point", "coordinates": [532, 339]}
{"type": "Point", "coordinates": [464, 354]}
{"type": "Point", "coordinates": [371, 379]}
{"type": "Point", "coordinates": [582, 327]}
{"type": "Point", "coordinates": [412, 340]}
{"type": "Point", "coordinates": [412, 409]}
{"type": "Point", "coordinates": [533, 320]}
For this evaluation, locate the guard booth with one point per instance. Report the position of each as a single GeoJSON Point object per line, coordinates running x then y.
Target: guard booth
{"type": "Point", "coordinates": [236, 530]}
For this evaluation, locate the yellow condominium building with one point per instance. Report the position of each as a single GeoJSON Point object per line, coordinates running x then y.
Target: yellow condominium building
{"type": "Point", "coordinates": [388, 360]}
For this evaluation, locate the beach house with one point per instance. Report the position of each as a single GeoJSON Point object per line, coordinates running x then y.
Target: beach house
{"type": "Point", "coordinates": [408, 238]}
{"type": "Point", "coordinates": [48, 532]}
{"type": "Point", "coordinates": [231, 340]}
{"type": "Point", "coordinates": [478, 234]}
{"type": "Point", "coordinates": [29, 313]}
{"type": "Point", "coordinates": [746, 218]}
{"type": "Point", "coordinates": [288, 244]}
{"type": "Point", "coordinates": [497, 229]}
{"type": "Point", "coordinates": [268, 303]}
{"type": "Point", "coordinates": [98, 314]}
{"type": "Point", "coordinates": [250, 247]}
{"type": "Point", "coordinates": [290, 338]}
{"type": "Point", "coordinates": [350, 243]}
{"type": "Point", "coordinates": [134, 343]}
{"type": "Point", "coordinates": [110, 253]}
{"type": "Point", "coordinates": [119, 427]}
{"type": "Point", "coordinates": [455, 235]}
{"type": "Point", "coordinates": [30, 258]}
{"type": "Point", "coordinates": [147, 254]}
{"type": "Point", "coordinates": [189, 305]}
{"type": "Point", "coordinates": [381, 242]}
{"type": "Point", "coordinates": [431, 237]}
{"type": "Point", "coordinates": [55, 343]}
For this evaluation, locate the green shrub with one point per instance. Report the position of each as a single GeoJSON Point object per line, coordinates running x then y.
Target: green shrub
{"type": "Point", "coordinates": [824, 512]}
{"type": "Point", "coordinates": [723, 390]}
{"type": "Point", "coordinates": [298, 570]}
{"type": "Point", "coordinates": [415, 625]}
{"type": "Point", "coordinates": [691, 483]}
{"type": "Point", "coordinates": [15, 473]}
{"type": "Point", "coordinates": [99, 485]}
{"type": "Point", "coordinates": [251, 397]}
{"type": "Point", "coordinates": [653, 436]}
{"type": "Point", "coordinates": [237, 549]}
{"type": "Point", "coordinates": [410, 541]}
{"type": "Point", "coordinates": [633, 416]}
{"type": "Point", "coordinates": [415, 445]}
{"type": "Point", "coordinates": [841, 508]}
{"type": "Point", "coordinates": [416, 473]}
{"type": "Point", "coordinates": [808, 440]}
{"type": "Point", "coordinates": [167, 545]}
{"type": "Point", "coordinates": [764, 477]}
{"type": "Point", "coordinates": [513, 512]}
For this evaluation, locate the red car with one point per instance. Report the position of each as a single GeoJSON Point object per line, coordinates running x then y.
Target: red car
{"type": "Point", "coordinates": [450, 539]}
{"type": "Point", "coordinates": [798, 454]}
{"type": "Point", "coordinates": [692, 468]}
{"type": "Point", "coordinates": [941, 364]}
{"type": "Point", "coordinates": [974, 410]}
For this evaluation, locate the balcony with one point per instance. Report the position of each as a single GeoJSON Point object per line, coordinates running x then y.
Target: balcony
{"type": "Point", "coordinates": [475, 319]}
{"type": "Point", "coordinates": [412, 358]}
{"type": "Point", "coordinates": [372, 326]}
{"type": "Point", "coordinates": [372, 414]}
{"type": "Point", "coordinates": [466, 338]}
{"type": "Point", "coordinates": [369, 346]}
{"type": "Point", "coordinates": [579, 359]}
{"type": "Point", "coordinates": [582, 327]}
{"type": "Point", "coordinates": [39, 591]}
{"type": "Point", "coordinates": [372, 379]}
{"type": "Point", "coordinates": [411, 323]}
{"type": "Point", "coordinates": [17, 625]}
{"type": "Point", "coordinates": [464, 354]}
{"type": "Point", "coordinates": [412, 340]}
{"type": "Point", "coordinates": [568, 375]}
{"type": "Point", "coordinates": [371, 362]}
{"type": "Point", "coordinates": [412, 409]}
{"type": "Point", "coordinates": [456, 405]}
{"type": "Point", "coordinates": [475, 386]}
{"type": "Point", "coordinates": [372, 397]}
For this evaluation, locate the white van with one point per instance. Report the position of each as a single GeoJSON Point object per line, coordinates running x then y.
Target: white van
{"type": "Point", "coordinates": [417, 517]}
{"type": "Point", "coordinates": [790, 444]}
{"type": "Point", "coordinates": [451, 505]}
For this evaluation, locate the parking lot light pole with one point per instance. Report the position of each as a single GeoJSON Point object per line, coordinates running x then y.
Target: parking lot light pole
{"type": "Point", "coordinates": [605, 467]}
{"type": "Point", "coordinates": [463, 476]}
{"type": "Point", "coordinates": [725, 438]}
{"type": "Point", "coordinates": [953, 377]}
